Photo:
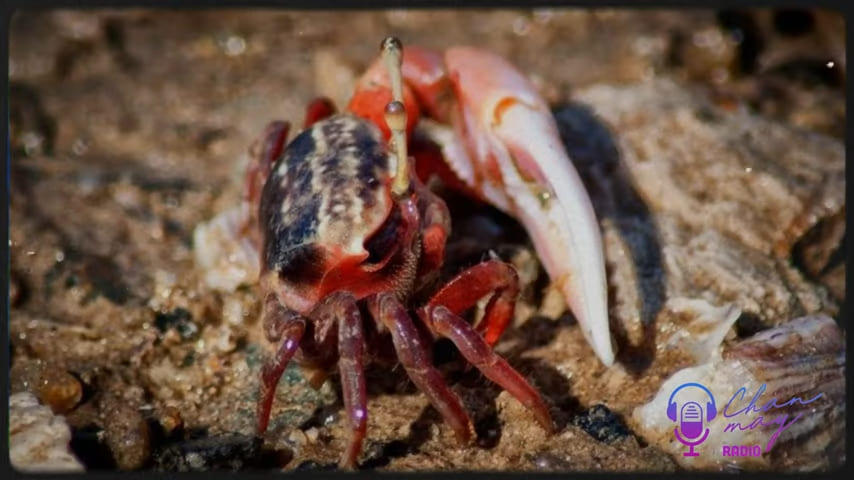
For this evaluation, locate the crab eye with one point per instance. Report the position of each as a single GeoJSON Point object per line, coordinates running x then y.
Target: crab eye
{"type": "Point", "coordinates": [384, 242]}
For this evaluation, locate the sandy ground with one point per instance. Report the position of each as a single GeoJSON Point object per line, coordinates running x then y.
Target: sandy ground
{"type": "Point", "coordinates": [129, 128]}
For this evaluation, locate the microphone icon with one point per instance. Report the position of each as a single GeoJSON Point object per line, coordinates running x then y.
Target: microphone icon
{"type": "Point", "coordinates": [691, 418]}
{"type": "Point", "coordinates": [691, 424]}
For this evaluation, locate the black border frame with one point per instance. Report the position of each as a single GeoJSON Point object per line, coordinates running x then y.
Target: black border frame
{"type": "Point", "coordinates": [844, 7]}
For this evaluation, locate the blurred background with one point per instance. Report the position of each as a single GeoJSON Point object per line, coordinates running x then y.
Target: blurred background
{"type": "Point", "coordinates": [787, 63]}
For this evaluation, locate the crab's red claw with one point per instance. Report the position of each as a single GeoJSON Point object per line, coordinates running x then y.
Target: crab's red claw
{"type": "Point", "coordinates": [505, 145]}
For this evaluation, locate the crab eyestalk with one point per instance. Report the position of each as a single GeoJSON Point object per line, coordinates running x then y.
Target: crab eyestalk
{"type": "Point", "coordinates": [392, 53]}
{"type": "Point", "coordinates": [395, 117]}
{"type": "Point", "coordinates": [395, 113]}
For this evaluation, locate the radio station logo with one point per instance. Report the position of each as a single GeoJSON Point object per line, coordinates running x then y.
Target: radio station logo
{"type": "Point", "coordinates": [693, 419]}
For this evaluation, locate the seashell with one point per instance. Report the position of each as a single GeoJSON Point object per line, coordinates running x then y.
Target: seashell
{"type": "Point", "coordinates": [778, 397]}
{"type": "Point", "coordinates": [38, 439]}
{"type": "Point", "coordinates": [709, 325]}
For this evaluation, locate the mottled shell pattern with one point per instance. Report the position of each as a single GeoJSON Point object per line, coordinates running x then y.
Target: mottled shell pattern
{"type": "Point", "coordinates": [326, 195]}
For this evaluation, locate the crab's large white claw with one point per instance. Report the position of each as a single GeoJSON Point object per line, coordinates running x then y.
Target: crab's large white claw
{"type": "Point", "coordinates": [516, 161]}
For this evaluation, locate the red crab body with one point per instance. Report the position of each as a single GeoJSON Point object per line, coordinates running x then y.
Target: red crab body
{"type": "Point", "coordinates": [341, 226]}
{"type": "Point", "coordinates": [334, 235]}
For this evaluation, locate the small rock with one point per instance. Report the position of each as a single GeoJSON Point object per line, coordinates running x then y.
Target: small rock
{"type": "Point", "coordinates": [38, 440]}
{"type": "Point", "coordinates": [60, 390]}
{"type": "Point", "coordinates": [171, 421]}
{"type": "Point", "coordinates": [297, 438]}
{"type": "Point", "coordinates": [221, 339]}
{"type": "Point", "coordinates": [225, 452]}
{"type": "Point", "coordinates": [232, 311]}
{"type": "Point", "coordinates": [54, 387]}
{"type": "Point", "coordinates": [601, 423]}
{"type": "Point", "coordinates": [710, 54]}
{"type": "Point", "coordinates": [126, 432]}
{"type": "Point", "coordinates": [180, 319]}
{"type": "Point", "coordinates": [331, 418]}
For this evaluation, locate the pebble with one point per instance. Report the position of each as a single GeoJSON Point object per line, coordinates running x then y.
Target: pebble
{"type": "Point", "coordinates": [53, 386]}
{"type": "Point", "coordinates": [171, 421]}
{"type": "Point", "coordinates": [297, 438]}
{"type": "Point", "coordinates": [179, 319]}
{"type": "Point", "coordinates": [126, 432]}
{"type": "Point", "coordinates": [222, 339]}
{"type": "Point", "coordinates": [232, 311]}
{"type": "Point", "coordinates": [601, 423]}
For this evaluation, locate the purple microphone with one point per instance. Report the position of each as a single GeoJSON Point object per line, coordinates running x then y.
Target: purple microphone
{"type": "Point", "coordinates": [691, 424]}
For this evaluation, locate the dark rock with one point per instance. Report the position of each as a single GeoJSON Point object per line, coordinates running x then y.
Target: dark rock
{"type": "Point", "coordinates": [223, 452]}
{"type": "Point", "coordinates": [601, 423]}
{"type": "Point", "coordinates": [181, 319]}
{"type": "Point", "coordinates": [379, 455]}
{"type": "Point", "coordinates": [748, 325]}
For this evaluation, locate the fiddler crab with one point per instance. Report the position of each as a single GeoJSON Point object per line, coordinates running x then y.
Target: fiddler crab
{"type": "Point", "coordinates": [342, 232]}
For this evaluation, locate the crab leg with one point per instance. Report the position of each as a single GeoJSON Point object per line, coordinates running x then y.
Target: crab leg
{"type": "Point", "coordinates": [283, 326]}
{"type": "Point", "coordinates": [469, 286]}
{"type": "Point", "coordinates": [480, 354]}
{"type": "Point", "coordinates": [415, 358]}
{"type": "Point", "coordinates": [342, 307]}
{"type": "Point", "coordinates": [505, 145]}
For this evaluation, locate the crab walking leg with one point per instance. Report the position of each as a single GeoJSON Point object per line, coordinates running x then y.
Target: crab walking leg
{"type": "Point", "coordinates": [479, 354]}
{"type": "Point", "coordinates": [286, 327]}
{"type": "Point", "coordinates": [317, 110]}
{"type": "Point", "coordinates": [263, 153]}
{"type": "Point", "coordinates": [351, 342]}
{"type": "Point", "coordinates": [464, 290]}
{"type": "Point", "coordinates": [435, 223]}
{"type": "Point", "coordinates": [415, 359]}
{"type": "Point", "coordinates": [506, 147]}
